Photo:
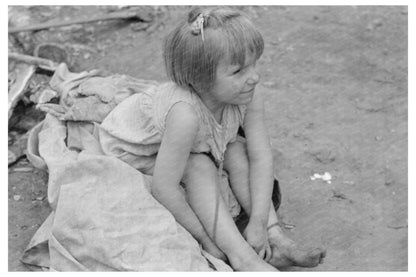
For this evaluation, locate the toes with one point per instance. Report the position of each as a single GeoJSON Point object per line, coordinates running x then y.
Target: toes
{"type": "Point", "coordinates": [307, 258]}
{"type": "Point", "coordinates": [316, 257]}
{"type": "Point", "coordinates": [295, 256]}
{"type": "Point", "coordinates": [319, 253]}
{"type": "Point", "coordinates": [323, 255]}
{"type": "Point", "coordinates": [278, 259]}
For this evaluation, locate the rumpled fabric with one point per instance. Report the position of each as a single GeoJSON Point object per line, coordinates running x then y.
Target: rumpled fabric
{"type": "Point", "coordinates": [104, 217]}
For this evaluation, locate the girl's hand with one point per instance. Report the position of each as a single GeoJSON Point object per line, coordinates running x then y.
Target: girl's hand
{"type": "Point", "coordinates": [256, 235]}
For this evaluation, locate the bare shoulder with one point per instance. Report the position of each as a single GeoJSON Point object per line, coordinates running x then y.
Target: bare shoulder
{"type": "Point", "coordinates": [182, 119]}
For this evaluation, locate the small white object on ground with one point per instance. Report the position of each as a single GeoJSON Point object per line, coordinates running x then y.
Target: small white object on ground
{"type": "Point", "coordinates": [325, 177]}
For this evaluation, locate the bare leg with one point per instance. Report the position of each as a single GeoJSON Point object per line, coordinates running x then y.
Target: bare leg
{"type": "Point", "coordinates": [285, 252]}
{"type": "Point", "coordinates": [201, 179]}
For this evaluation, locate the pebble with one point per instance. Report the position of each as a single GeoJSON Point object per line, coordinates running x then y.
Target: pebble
{"type": "Point", "coordinates": [388, 183]}
{"type": "Point", "coordinates": [17, 197]}
{"type": "Point", "coordinates": [374, 24]}
{"type": "Point", "coordinates": [389, 176]}
{"type": "Point", "coordinates": [37, 225]}
{"type": "Point", "coordinates": [324, 155]}
{"type": "Point", "coordinates": [325, 177]}
{"type": "Point", "coordinates": [337, 194]}
{"type": "Point", "coordinates": [288, 226]}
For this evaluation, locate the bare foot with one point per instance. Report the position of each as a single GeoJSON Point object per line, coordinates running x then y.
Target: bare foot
{"type": "Point", "coordinates": [253, 264]}
{"type": "Point", "coordinates": [286, 252]}
{"type": "Point", "coordinates": [213, 249]}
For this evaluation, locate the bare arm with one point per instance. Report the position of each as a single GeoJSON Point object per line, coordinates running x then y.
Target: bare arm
{"type": "Point", "coordinates": [261, 160]}
{"type": "Point", "coordinates": [181, 129]}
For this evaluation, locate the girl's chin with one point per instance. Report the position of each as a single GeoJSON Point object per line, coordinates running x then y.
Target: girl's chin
{"type": "Point", "coordinates": [246, 98]}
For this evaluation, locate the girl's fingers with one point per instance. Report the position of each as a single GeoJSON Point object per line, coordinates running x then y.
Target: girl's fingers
{"type": "Point", "coordinates": [262, 252]}
{"type": "Point", "coordinates": [268, 254]}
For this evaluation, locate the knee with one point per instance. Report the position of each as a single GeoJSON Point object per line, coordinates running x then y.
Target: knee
{"type": "Point", "coordinates": [199, 165]}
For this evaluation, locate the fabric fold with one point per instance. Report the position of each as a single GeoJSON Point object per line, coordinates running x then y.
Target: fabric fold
{"type": "Point", "coordinates": [104, 217]}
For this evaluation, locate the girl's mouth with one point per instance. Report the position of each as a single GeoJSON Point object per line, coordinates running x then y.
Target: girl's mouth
{"type": "Point", "coordinates": [249, 91]}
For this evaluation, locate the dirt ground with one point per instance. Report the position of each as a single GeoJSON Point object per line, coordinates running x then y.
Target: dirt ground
{"type": "Point", "coordinates": [336, 85]}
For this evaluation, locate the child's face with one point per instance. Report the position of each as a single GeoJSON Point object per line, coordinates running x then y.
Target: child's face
{"type": "Point", "coordinates": [235, 84]}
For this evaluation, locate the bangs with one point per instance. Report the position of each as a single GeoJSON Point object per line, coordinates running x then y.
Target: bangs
{"type": "Point", "coordinates": [236, 39]}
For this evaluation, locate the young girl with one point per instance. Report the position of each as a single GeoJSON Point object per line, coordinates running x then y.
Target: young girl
{"type": "Point", "coordinates": [188, 136]}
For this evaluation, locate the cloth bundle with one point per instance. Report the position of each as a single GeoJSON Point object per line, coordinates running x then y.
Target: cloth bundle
{"type": "Point", "coordinates": [104, 217]}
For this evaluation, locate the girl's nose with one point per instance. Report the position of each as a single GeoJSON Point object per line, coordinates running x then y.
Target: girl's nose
{"type": "Point", "coordinates": [254, 77]}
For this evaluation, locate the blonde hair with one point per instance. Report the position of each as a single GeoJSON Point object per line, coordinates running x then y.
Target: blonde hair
{"type": "Point", "coordinates": [191, 60]}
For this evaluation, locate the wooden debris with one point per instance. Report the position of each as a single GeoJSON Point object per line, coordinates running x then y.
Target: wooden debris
{"type": "Point", "coordinates": [18, 88]}
{"type": "Point", "coordinates": [130, 14]}
{"type": "Point", "coordinates": [23, 72]}
{"type": "Point", "coordinates": [40, 62]}
{"type": "Point", "coordinates": [398, 227]}
{"type": "Point", "coordinates": [23, 169]}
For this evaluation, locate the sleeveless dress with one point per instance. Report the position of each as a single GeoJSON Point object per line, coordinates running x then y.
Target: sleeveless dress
{"type": "Point", "coordinates": [133, 131]}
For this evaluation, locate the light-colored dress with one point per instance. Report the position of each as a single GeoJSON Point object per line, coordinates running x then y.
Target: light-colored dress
{"type": "Point", "coordinates": [133, 131]}
{"type": "Point", "coordinates": [136, 139]}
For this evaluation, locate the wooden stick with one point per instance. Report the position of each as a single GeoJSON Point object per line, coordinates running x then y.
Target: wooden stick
{"type": "Point", "coordinates": [18, 88]}
{"type": "Point", "coordinates": [24, 72]}
{"type": "Point", "coordinates": [43, 63]}
{"type": "Point", "coordinates": [47, 25]}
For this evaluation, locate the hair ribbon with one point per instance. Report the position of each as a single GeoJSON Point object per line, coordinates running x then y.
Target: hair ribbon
{"type": "Point", "coordinates": [198, 25]}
